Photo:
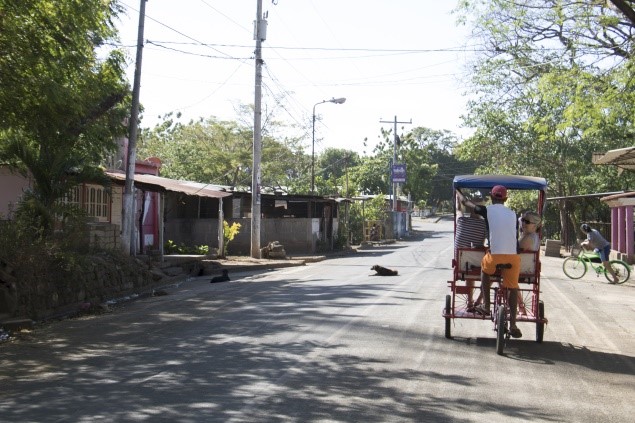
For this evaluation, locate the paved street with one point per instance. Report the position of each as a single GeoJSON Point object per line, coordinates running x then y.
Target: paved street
{"type": "Point", "coordinates": [330, 342]}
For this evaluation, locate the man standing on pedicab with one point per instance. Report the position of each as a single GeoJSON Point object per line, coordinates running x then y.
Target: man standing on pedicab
{"type": "Point", "coordinates": [503, 249]}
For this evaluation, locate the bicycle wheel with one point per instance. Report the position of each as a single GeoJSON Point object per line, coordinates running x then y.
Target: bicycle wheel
{"type": "Point", "coordinates": [621, 269]}
{"type": "Point", "coordinates": [574, 268]}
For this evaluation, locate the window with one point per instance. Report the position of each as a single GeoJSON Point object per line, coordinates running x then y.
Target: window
{"type": "Point", "coordinates": [93, 199]}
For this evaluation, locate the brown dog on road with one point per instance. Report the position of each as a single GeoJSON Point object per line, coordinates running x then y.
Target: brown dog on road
{"type": "Point", "coordinates": [383, 271]}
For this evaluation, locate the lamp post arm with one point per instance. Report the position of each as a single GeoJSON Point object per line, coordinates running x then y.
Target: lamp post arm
{"type": "Point", "coordinates": [335, 101]}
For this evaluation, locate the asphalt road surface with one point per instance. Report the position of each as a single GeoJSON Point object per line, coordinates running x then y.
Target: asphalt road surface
{"type": "Point", "coordinates": [330, 342]}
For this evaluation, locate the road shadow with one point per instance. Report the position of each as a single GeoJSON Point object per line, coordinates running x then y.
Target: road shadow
{"type": "Point", "coordinates": [224, 355]}
{"type": "Point", "coordinates": [555, 353]}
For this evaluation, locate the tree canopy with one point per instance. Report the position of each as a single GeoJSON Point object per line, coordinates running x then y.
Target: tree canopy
{"type": "Point", "coordinates": [62, 104]}
{"type": "Point", "coordinates": [220, 152]}
{"type": "Point", "coordinates": [553, 85]}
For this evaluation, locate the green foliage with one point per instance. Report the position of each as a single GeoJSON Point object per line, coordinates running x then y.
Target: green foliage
{"type": "Point", "coordinates": [220, 152]}
{"type": "Point", "coordinates": [61, 105]}
{"type": "Point", "coordinates": [171, 247]}
{"type": "Point", "coordinates": [546, 104]}
{"type": "Point", "coordinates": [202, 249]}
{"type": "Point", "coordinates": [377, 208]}
{"type": "Point", "coordinates": [203, 151]}
{"type": "Point", "coordinates": [356, 222]}
{"type": "Point", "coordinates": [372, 175]}
{"type": "Point", "coordinates": [333, 167]}
{"type": "Point", "coordinates": [430, 165]}
{"type": "Point", "coordinates": [229, 233]}
{"type": "Point", "coordinates": [37, 259]}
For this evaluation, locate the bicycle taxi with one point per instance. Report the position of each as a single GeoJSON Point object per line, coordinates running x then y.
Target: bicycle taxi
{"type": "Point", "coordinates": [466, 265]}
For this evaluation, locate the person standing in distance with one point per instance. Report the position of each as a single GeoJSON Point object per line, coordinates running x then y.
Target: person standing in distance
{"type": "Point", "coordinates": [596, 241]}
{"type": "Point", "coordinates": [503, 249]}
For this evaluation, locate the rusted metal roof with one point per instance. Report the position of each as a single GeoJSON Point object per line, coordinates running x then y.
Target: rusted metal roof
{"type": "Point", "coordinates": [624, 199]}
{"type": "Point", "coordinates": [623, 158]}
{"type": "Point", "coordinates": [158, 183]}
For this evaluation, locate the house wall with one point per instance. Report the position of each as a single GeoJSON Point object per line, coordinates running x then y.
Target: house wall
{"type": "Point", "coordinates": [116, 197]}
{"type": "Point", "coordinates": [297, 235]}
{"type": "Point", "coordinates": [11, 189]}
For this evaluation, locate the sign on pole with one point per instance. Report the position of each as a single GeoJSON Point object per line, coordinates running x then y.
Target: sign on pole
{"type": "Point", "coordinates": [398, 173]}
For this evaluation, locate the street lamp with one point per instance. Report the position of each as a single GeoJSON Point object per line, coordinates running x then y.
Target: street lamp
{"type": "Point", "coordinates": [333, 100]}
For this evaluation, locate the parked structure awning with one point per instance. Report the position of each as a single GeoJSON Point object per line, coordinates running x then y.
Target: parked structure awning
{"type": "Point", "coordinates": [158, 183]}
{"type": "Point", "coordinates": [623, 158]}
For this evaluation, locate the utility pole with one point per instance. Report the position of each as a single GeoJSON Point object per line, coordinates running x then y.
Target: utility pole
{"type": "Point", "coordinates": [260, 34]}
{"type": "Point", "coordinates": [394, 160]}
{"type": "Point", "coordinates": [128, 225]}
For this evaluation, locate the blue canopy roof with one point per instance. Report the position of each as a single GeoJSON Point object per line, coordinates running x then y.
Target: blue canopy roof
{"type": "Point", "coordinates": [508, 181]}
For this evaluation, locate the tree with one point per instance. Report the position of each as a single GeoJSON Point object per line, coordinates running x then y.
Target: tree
{"type": "Point", "coordinates": [626, 7]}
{"type": "Point", "coordinates": [438, 146]}
{"type": "Point", "coordinates": [220, 152]}
{"type": "Point", "coordinates": [551, 92]}
{"type": "Point", "coordinates": [420, 169]}
{"type": "Point", "coordinates": [333, 171]}
{"type": "Point", "coordinates": [205, 150]}
{"type": "Point", "coordinates": [372, 175]}
{"type": "Point", "coordinates": [537, 34]}
{"type": "Point", "coordinates": [61, 105]}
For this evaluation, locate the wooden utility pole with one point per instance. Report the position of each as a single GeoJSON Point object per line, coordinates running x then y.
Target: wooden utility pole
{"type": "Point", "coordinates": [128, 225]}
{"type": "Point", "coordinates": [260, 34]}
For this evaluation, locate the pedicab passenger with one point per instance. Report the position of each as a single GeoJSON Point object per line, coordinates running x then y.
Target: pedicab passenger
{"type": "Point", "coordinates": [529, 241]}
{"type": "Point", "coordinates": [471, 232]}
{"type": "Point", "coordinates": [503, 249]}
{"type": "Point", "coordinates": [530, 223]}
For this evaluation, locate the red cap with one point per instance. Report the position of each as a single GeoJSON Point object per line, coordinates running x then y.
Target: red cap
{"type": "Point", "coordinates": [499, 192]}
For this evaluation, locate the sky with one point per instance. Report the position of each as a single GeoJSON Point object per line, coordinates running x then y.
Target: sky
{"type": "Point", "coordinates": [397, 59]}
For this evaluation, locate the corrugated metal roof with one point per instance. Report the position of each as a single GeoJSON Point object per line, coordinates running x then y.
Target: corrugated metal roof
{"type": "Point", "coordinates": [624, 158]}
{"type": "Point", "coordinates": [158, 183]}
{"type": "Point", "coordinates": [617, 196]}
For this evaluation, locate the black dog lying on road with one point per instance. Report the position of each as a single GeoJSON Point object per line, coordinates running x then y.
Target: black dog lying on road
{"type": "Point", "coordinates": [383, 271]}
{"type": "Point", "coordinates": [223, 278]}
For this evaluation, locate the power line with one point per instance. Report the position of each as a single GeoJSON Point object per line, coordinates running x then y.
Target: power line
{"type": "Point", "coordinates": [178, 32]}
{"type": "Point", "coordinates": [342, 49]}
{"type": "Point", "coordinates": [226, 56]}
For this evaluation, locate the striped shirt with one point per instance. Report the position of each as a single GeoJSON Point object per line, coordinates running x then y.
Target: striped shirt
{"type": "Point", "coordinates": [470, 231]}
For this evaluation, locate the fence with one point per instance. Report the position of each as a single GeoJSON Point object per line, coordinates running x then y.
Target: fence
{"type": "Point", "coordinates": [573, 236]}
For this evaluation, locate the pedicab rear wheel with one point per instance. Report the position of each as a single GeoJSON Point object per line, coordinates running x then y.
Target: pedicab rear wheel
{"type": "Point", "coordinates": [501, 327]}
{"type": "Point", "coordinates": [448, 321]}
{"type": "Point", "coordinates": [540, 325]}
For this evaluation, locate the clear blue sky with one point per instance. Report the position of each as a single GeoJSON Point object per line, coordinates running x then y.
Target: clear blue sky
{"type": "Point", "coordinates": [403, 58]}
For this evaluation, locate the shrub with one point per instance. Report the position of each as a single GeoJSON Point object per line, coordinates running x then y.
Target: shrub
{"type": "Point", "coordinates": [229, 233]}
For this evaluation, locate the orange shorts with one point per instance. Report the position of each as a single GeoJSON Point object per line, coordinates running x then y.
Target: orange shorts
{"type": "Point", "coordinates": [510, 276]}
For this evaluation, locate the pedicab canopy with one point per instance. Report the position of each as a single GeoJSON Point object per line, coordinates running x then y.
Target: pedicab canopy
{"type": "Point", "coordinates": [508, 181]}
